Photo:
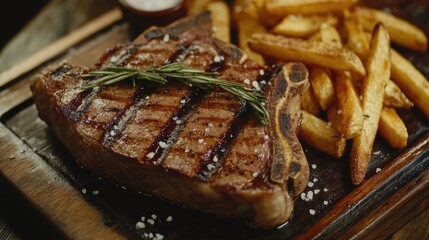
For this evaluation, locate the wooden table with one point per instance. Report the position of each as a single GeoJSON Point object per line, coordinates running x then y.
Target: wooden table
{"type": "Point", "coordinates": [40, 33]}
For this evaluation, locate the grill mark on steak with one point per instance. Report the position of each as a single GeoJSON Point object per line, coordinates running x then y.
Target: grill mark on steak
{"type": "Point", "coordinates": [180, 55]}
{"type": "Point", "coordinates": [213, 160]}
{"type": "Point", "coordinates": [122, 118]}
{"type": "Point", "coordinates": [59, 72]}
{"type": "Point", "coordinates": [193, 152]}
{"type": "Point", "coordinates": [175, 125]}
{"type": "Point", "coordinates": [117, 125]}
{"type": "Point", "coordinates": [83, 100]}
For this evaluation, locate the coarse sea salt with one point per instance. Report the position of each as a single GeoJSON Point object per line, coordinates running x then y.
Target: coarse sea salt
{"type": "Point", "coordinates": [166, 38]}
{"type": "Point", "coordinates": [150, 155]}
{"type": "Point", "coordinates": [140, 225]}
{"type": "Point", "coordinates": [162, 144]}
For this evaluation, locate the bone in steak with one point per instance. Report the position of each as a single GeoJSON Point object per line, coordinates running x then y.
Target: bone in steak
{"type": "Point", "coordinates": [201, 150]}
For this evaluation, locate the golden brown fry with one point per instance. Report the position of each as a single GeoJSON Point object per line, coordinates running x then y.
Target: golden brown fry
{"type": "Point", "coordinates": [349, 111]}
{"type": "Point", "coordinates": [356, 38]}
{"type": "Point", "coordinates": [348, 120]}
{"type": "Point", "coordinates": [196, 6]}
{"type": "Point", "coordinates": [394, 97]}
{"type": "Point", "coordinates": [322, 86]}
{"type": "Point", "coordinates": [246, 27]}
{"type": "Point", "coordinates": [378, 66]}
{"type": "Point", "coordinates": [392, 128]}
{"type": "Point", "coordinates": [320, 135]}
{"type": "Point", "coordinates": [283, 7]}
{"type": "Point", "coordinates": [312, 52]}
{"type": "Point", "coordinates": [358, 41]}
{"type": "Point", "coordinates": [411, 81]}
{"type": "Point", "coordinates": [309, 102]}
{"type": "Point", "coordinates": [317, 36]}
{"type": "Point", "coordinates": [220, 20]}
{"type": "Point", "coordinates": [243, 7]}
{"type": "Point", "coordinates": [401, 31]}
{"type": "Point", "coordinates": [303, 25]}
{"type": "Point", "coordinates": [330, 35]}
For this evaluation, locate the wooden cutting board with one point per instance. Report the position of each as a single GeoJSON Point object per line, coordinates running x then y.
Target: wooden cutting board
{"type": "Point", "coordinates": [83, 206]}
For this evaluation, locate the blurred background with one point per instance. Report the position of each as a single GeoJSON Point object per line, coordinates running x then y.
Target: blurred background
{"type": "Point", "coordinates": [25, 30]}
{"type": "Point", "coordinates": [50, 19]}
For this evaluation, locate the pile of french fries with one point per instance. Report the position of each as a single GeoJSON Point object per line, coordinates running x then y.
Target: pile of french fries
{"type": "Point", "coordinates": [357, 79]}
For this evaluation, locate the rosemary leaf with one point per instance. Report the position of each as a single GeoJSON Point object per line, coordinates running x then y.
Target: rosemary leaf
{"type": "Point", "coordinates": [177, 72]}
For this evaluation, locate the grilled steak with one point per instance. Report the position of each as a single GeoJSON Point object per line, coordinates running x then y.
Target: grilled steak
{"type": "Point", "coordinates": [204, 150]}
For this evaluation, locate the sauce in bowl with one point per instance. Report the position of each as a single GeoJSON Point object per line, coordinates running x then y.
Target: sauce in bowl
{"type": "Point", "coordinates": [145, 13]}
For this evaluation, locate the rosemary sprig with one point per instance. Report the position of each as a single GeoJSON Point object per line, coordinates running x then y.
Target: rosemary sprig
{"type": "Point", "coordinates": [179, 73]}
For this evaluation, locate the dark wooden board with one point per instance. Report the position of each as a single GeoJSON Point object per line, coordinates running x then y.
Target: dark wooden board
{"type": "Point", "coordinates": [46, 174]}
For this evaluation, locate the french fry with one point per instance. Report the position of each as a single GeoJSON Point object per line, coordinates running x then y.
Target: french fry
{"type": "Point", "coordinates": [303, 25]}
{"type": "Point", "coordinates": [348, 119]}
{"type": "Point", "coordinates": [330, 35]}
{"type": "Point", "coordinates": [411, 81]}
{"type": "Point", "coordinates": [320, 135]}
{"type": "Point", "coordinates": [378, 66]}
{"type": "Point", "coordinates": [220, 20]}
{"type": "Point", "coordinates": [265, 17]}
{"type": "Point", "coordinates": [315, 37]}
{"type": "Point", "coordinates": [356, 38]}
{"type": "Point", "coordinates": [392, 128]}
{"type": "Point", "coordinates": [358, 41]}
{"type": "Point", "coordinates": [349, 111]}
{"type": "Point", "coordinates": [322, 86]}
{"type": "Point", "coordinates": [312, 52]}
{"type": "Point", "coordinates": [197, 6]}
{"type": "Point", "coordinates": [394, 97]}
{"type": "Point", "coordinates": [246, 27]}
{"type": "Point", "coordinates": [284, 7]}
{"type": "Point", "coordinates": [309, 102]}
{"type": "Point", "coordinates": [242, 8]}
{"type": "Point", "coordinates": [401, 31]}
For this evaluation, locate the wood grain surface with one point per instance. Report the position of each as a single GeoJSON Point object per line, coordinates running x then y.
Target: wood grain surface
{"type": "Point", "coordinates": [47, 175]}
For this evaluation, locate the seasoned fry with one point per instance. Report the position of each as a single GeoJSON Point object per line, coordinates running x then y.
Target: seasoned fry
{"type": "Point", "coordinates": [246, 27]}
{"type": "Point", "coordinates": [220, 20]}
{"type": "Point", "coordinates": [356, 38]}
{"type": "Point", "coordinates": [197, 6]}
{"type": "Point", "coordinates": [392, 128]}
{"type": "Point", "coordinates": [378, 66]}
{"type": "Point", "coordinates": [303, 25]}
{"type": "Point", "coordinates": [322, 86]}
{"type": "Point", "coordinates": [330, 35]}
{"type": "Point", "coordinates": [242, 8]}
{"type": "Point", "coordinates": [283, 7]}
{"type": "Point", "coordinates": [401, 31]}
{"type": "Point", "coordinates": [309, 102]}
{"type": "Point", "coordinates": [411, 81]}
{"type": "Point", "coordinates": [320, 135]}
{"type": "Point", "coordinates": [394, 97]}
{"type": "Point", "coordinates": [315, 37]}
{"type": "Point", "coordinates": [312, 52]}
{"type": "Point", "coordinates": [349, 111]}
